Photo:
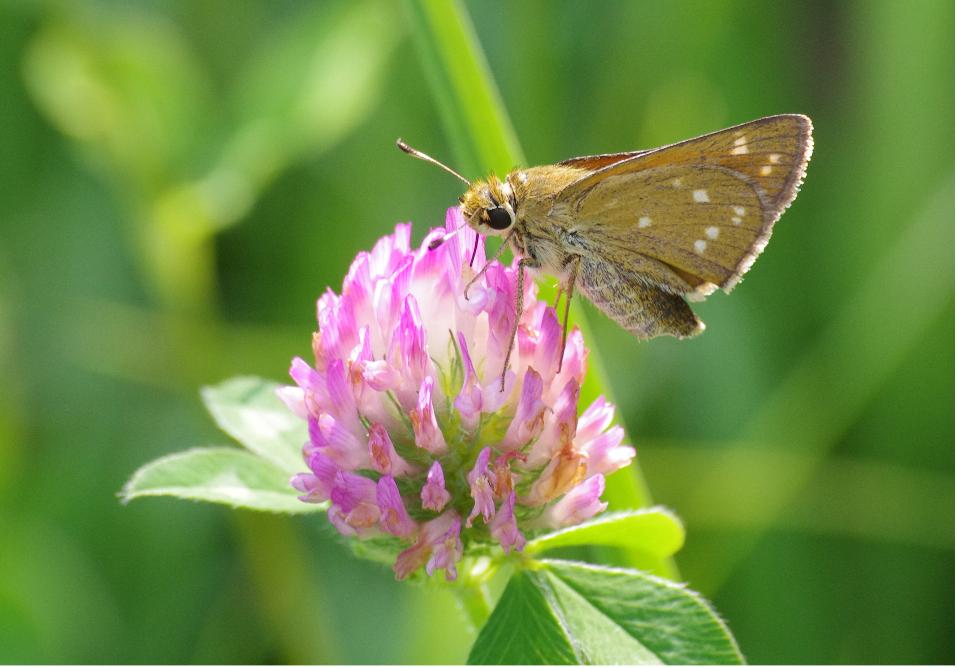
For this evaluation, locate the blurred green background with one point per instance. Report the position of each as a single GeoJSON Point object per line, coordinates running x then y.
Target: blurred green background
{"type": "Point", "coordinates": [179, 180]}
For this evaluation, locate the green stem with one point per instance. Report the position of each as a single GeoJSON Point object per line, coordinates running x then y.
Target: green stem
{"type": "Point", "coordinates": [464, 90]}
{"type": "Point", "coordinates": [475, 602]}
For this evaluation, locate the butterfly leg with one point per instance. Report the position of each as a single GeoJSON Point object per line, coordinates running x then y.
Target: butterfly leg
{"type": "Point", "coordinates": [498, 253]}
{"type": "Point", "coordinates": [559, 291]}
{"type": "Point", "coordinates": [524, 263]}
{"type": "Point", "coordinates": [474, 250]}
{"type": "Point", "coordinates": [569, 290]}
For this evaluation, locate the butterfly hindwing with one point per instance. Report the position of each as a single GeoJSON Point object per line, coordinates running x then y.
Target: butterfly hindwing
{"type": "Point", "coordinates": [641, 308]}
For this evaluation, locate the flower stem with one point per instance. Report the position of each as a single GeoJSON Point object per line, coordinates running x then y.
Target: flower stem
{"type": "Point", "coordinates": [475, 602]}
{"type": "Point", "coordinates": [469, 103]}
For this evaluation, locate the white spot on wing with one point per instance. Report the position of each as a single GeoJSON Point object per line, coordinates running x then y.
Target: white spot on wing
{"type": "Point", "coordinates": [775, 158]}
{"type": "Point", "coordinates": [700, 245]}
{"type": "Point", "coordinates": [644, 222]}
{"type": "Point", "coordinates": [712, 232]}
{"type": "Point", "coordinates": [740, 145]}
{"type": "Point", "coordinates": [738, 210]}
{"type": "Point", "coordinates": [735, 220]}
{"type": "Point", "coordinates": [701, 196]}
{"type": "Point", "coordinates": [766, 170]}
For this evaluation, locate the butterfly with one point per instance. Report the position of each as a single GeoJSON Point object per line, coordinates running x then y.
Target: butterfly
{"type": "Point", "coordinates": [642, 233]}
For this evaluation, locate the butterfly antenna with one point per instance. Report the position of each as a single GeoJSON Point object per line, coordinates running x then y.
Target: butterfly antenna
{"type": "Point", "coordinates": [415, 153]}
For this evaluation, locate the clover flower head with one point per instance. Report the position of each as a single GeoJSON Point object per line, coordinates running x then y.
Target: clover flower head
{"type": "Point", "coordinates": [411, 436]}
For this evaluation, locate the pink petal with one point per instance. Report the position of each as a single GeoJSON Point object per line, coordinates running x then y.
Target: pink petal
{"type": "Point", "coordinates": [312, 384]}
{"type": "Point", "coordinates": [295, 400]}
{"type": "Point", "coordinates": [338, 443]}
{"type": "Point", "coordinates": [480, 485]}
{"type": "Point", "coordinates": [324, 474]}
{"type": "Point", "coordinates": [540, 341]}
{"type": "Point", "coordinates": [393, 516]}
{"type": "Point", "coordinates": [382, 453]}
{"type": "Point", "coordinates": [606, 454]}
{"type": "Point", "coordinates": [580, 504]}
{"type": "Point", "coordinates": [504, 528]}
{"type": "Point", "coordinates": [409, 354]}
{"type": "Point", "coordinates": [311, 488]}
{"type": "Point", "coordinates": [594, 420]}
{"type": "Point", "coordinates": [459, 247]}
{"type": "Point", "coordinates": [447, 550]}
{"type": "Point", "coordinates": [565, 470]}
{"type": "Point", "coordinates": [354, 510]}
{"type": "Point", "coordinates": [434, 495]}
{"type": "Point", "coordinates": [380, 376]}
{"type": "Point", "coordinates": [469, 400]}
{"type": "Point", "coordinates": [501, 314]}
{"type": "Point", "coordinates": [438, 546]}
{"type": "Point", "coordinates": [574, 362]}
{"type": "Point", "coordinates": [411, 559]}
{"type": "Point", "coordinates": [560, 426]}
{"type": "Point", "coordinates": [427, 433]}
{"type": "Point", "coordinates": [529, 417]}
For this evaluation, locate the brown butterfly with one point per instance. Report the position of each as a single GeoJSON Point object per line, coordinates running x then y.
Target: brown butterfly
{"type": "Point", "coordinates": [640, 233]}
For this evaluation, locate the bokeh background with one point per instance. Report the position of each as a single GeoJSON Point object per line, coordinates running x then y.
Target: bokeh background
{"type": "Point", "coordinates": [179, 180]}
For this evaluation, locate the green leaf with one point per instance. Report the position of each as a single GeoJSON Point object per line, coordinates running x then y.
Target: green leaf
{"type": "Point", "coordinates": [218, 475]}
{"type": "Point", "coordinates": [567, 612]}
{"type": "Point", "coordinates": [248, 409]}
{"type": "Point", "coordinates": [523, 628]}
{"type": "Point", "coordinates": [656, 532]}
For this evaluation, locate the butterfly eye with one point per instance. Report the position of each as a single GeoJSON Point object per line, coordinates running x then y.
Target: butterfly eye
{"type": "Point", "coordinates": [499, 218]}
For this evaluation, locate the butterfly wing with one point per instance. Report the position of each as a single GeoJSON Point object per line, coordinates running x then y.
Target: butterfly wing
{"type": "Point", "coordinates": [593, 162]}
{"type": "Point", "coordinates": [639, 305]}
{"type": "Point", "coordinates": [693, 215]}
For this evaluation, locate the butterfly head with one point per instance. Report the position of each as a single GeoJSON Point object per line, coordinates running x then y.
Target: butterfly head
{"type": "Point", "coordinates": [489, 206]}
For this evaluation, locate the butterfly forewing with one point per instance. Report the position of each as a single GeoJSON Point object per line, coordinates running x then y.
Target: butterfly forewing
{"type": "Point", "coordinates": [601, 160]}
{"type": "Point", "coordinates": [704, 208]}
{"type": "Point", "coordinates": [660, 202]}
